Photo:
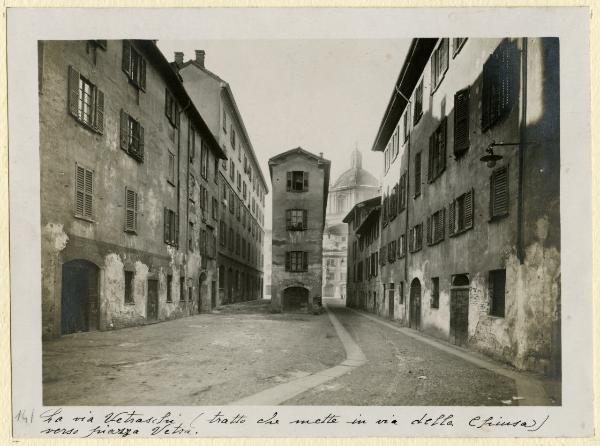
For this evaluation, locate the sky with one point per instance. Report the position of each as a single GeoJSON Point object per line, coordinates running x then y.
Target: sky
{"type": "Point", "coordinates": [323, 95]}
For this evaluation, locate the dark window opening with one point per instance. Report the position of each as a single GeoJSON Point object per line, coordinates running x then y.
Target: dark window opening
{"type": "Point", "coordinates": [497, 284]}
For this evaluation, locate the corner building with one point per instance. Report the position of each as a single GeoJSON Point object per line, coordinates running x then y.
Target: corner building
{"type": "Point", "coordinates": [127, 175]}
{"type": "Point", "coordinates": [470, 224]}
{"type": "Point", "coordinates": [242, 186]}
{"type": "Point", "coordinates": [300, 184]}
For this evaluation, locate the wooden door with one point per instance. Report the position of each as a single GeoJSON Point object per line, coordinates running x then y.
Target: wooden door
{"type": "Point", "coordinates": [79, 297]}
{"type": "Point", "coordinates": [459, 316]}
{"type": "Point", "coordinates": [152, 301]}
{"type": "Point", "coordinates": [415, 304]}
{"type": "Point", "coordinates": [391, 304]}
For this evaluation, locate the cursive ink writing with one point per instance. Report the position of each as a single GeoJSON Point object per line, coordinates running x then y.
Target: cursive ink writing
{"type": "Point", "coordinates": [530, 425]}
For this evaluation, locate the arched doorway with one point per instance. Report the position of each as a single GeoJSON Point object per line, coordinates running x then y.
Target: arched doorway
{"type": "Point", "coordinates": [295, 299]}
{"type": "Point", "coordinates": [414, 320]}
{"type": "Point", "coordinates": [79, 297]}
{"type": "Point", "coordinates": [459, 309]}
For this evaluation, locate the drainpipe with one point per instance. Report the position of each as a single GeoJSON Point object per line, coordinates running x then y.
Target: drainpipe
{"type": "Point", "coordinates": [409, 104]}
{"type": "Point", "coordinates": [522, 138]}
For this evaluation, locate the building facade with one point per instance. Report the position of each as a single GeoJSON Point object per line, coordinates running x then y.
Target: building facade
{"type": "Point", "coordinates": [470, 222]}
{"type": "Point", "coordinates": [242, 185]}
{"type": "Point", "coordinates": [352, 186]}
{"type": "Point", "coordinates": [127, 175]}
{"type": "Point", "coordinates": [300, 184]}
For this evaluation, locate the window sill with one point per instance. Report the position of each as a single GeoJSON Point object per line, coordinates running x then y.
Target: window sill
{"type": "Point", "coordinates": [435, 242]}
{"type": "Point", "coordinates": [493, 316]}
{"type": "Point", "coordinates": [462, 231]}
{"type": "Point", "coordinates": [81, 217]}
{"type": "Point", "coordinates": [416, 196]}
{"type": "Point", "coordinates": [86, 125]}
{"type": "Point", "coordinates": [440, 80]}
{"type": "Point", "coordinates": [131, 304]}
{"type": "Point", "coordinates": [497, 218]}
{"type": "Point", "coordinates": [130, 231]}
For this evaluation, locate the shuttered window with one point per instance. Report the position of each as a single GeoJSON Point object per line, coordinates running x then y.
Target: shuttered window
{"type": "Point", "coordinates": [437, 152]}
{"type": "Point", "coordinates": [296, 261]}
{"type": "Point", "coordinates": [171, 108]}
{"type": "Point", "coordinates": [457, 44]}
{"type": "Point", "coordinates": [171, 171]}
{"type": "Point", "coordinates": [402, 193]}
{"type": "Point", "coordinates": [297, 181]}
{"type": "Point", "coordinates": [416, 238]}
{"type": "Point", "coordinates": [134, 65]}
{"type": "Point", "coordinates": [132, 137]}
{"type": "Point", "coordinates": [392, 251]}
{"type": "Point", "coordinates": [417, 174]}
{"type": "Point", "coordinates": [461, 214]}
{"type": "Point", "coordinates": [499, 193]}
{"type": "Point", "coordinates": [439, 63]}
{"type": "Point", "coordinates": [204, 160]}
{"type": "Point", "coordinates": [86, 101]}
{"type": "Point", "coordinates": [418, 103]}
{"type": "Point", "coordinates": [131, 210]}
{"type": "Point", "coordinates": [296, 219]}
{"type": "Point", "coordinates": [171, 227]}
{"type": "Point", "coordinates": [461, 122]}
{"type": "Point", "coordinates": [499, 89]}
{"type": "Point", "coordinates": [383, 255]}
{"type": "Point", "coordinates": [401, 246]}
{"type": "Point", "coordinates": [84, 192]}
{"type": "Point", "coordinates": [436, 227]}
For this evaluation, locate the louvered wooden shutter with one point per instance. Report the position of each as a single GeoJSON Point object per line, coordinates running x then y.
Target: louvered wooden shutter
{"type": "Point", "coordinates": [499, 192]}
{"type": "Point", "coordinates": [288, 218]}
{"type": "Point", "coordinates": [304, 219]}
{"type": "Point", "coordinates": [141, 143]}
{"type": "Point", "coordinates": [130, 210]}
{"type": "Point", "coordinates": [79, 190]}
{"type": "Point", "coordinates": [444, 56]}
{"type": "Point", "coordinates": [451, 218]}
{"type": "Point", "coordinates": [88, 208]}
{"type": "Point", "coordinates": [289, 181]}
{"type": "Point", "coordinates": [304, 261]}
{"type": "Point", "coordinates": [432, 143]}
{"type": "Point", "coordinates": [305, 184]}
{"type": "Point", "coordinates": [99, 117]}
{"type": "Point", "coordinates": [429, 235]}
{"type": "Point", "coordinates": [74, 92]}
{"type": "Point", "coordinates": [442, 224]}
{"type": "Point", "coordinates": [142, 73]}
{"type": "Point", "coordinates": [442, 145]}
{"type": "Point", "coordinates": [176, 238]}
{"type": "Point", "coordinates": [468, 217]}
{"type": "Point", "coordinates": [124, 131]}
{"type": "Point", "coordinates": [287, 260]}
{"type": "Point", "coordinates": [125, 61]}
{"type": "Point", "coordinates": [486, 94]}
{"type": "Point", "coordinates": [461, 121]}
{"type": "Point", "coordinates": [167, 226]}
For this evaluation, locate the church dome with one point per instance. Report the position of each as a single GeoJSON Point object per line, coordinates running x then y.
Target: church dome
{"type": "Point", "coordinates": [356, 175]}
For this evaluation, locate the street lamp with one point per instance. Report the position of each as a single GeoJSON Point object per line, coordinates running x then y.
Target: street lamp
{"type": "Point", "coordinates": [491, 158]}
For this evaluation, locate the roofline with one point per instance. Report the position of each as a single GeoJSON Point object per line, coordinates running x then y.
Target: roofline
{"type": "Point", "coordinates": [417, 46]}
{"type": "Point", "coordinates": [373, 200]}
{"type": "Point", "coordinates": [177, 88]}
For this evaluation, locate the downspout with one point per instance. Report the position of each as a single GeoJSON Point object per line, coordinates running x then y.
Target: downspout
{"type": "Point", "coordinates": [522, 138]}
{"type": "Point", "coordinates": [408, 102]}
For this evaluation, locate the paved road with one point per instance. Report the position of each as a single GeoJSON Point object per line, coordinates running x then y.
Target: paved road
{"type": "Point", "coordinates": [403, 371]}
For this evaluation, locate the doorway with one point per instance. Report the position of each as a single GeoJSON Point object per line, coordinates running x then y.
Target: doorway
{"type": "Point", "coordinates": [459, 310]}
{"type": "Point", "coordinates": [152, 301]}
{"type": "Point", "coordinates": [295, 299]}
{"type": "Point", "coordinates": [79, 297]}
{"type": "Point", "coordinates": [415, 305]}
{"type": "Point", "coordinates": [213, 294]}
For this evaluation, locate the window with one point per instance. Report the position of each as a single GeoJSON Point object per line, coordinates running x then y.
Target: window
{"type": "Point", "coordinates": [231, 202]}
{"type": "Point", "coordinates": [231, 170]}
{"type": "Point", "coordinates": [402, 192]}
{"type": "Point", "coordinates": [191, 187]}
{"type": "Point", "coordinates": [171, 227]}
{"type": "Point", "coordinates": [131, 210]}
{"type": "Point", "coordinates": [216, 168]}
{"type": "Point", "coordinates": [439, 64]}
{"type": "Point", "coordinates": [437, 152]}
{"type": "Point", "coordinates": [182, 288]}
{"type": "Point", "coordinates": [417, 174]}
{"type": "Point", "coordinates": [171, 171]}
{"type": "Point", "coordinates": [500, 77]}
{"type": "Point", "coordinates": [190, 236]}
{"type": "Point", "coordinates": [169, 288]}
{"type": "Point", "coordinates": [499, 193]}
{"type": "Point", "coordinates": [401, 246]}
{"type": "Point", "coordinates": [297, 181]}
{"type": "Point", "coordinates": [374, 263]}
{"type": "Point", "coordinates": [132, 137]}
{"type": "Point", "coordinates": [232, 137]}
{"type": "Point", "coordinates": [215, 208]}
{"type": "Point", "coordinates": [244, 191]}
{"type": "Point", "coordinates": [296, 219]}
{"type": "Point", "coordinates": [461, 214]}
{"type": "Point", "coordinates": [392, 251]}
{"type": "Point", "coordinates": [390, 290]}
{"type": "Point", "coordinates": [435, 227]}
{"type": "Point", "coordinates": [238, 208]}
{"type": "Point", "coordinates": [435, 292]}
{"type": "Point", "coordinates": [171, 108]}
{"type": "Point", "coordinates": [406, 123]}
{"type": "Point", "coordinates": [84, 192]}
{"type": "Point", "coordinates": [231, 240]}
{"type": "Point", "coordinates": [401, 293]}
{"type": "Point", "coordinates": [461, 122]}
{"type": "Point", "coordinates": [296, 261]}
{"type": "Point", "coordinates": [134, 65]}
{"type": "Point", "coordinates": [204, 160]}
{"type": "Point", "coordinates": [457, 44]}
{"type": "Point", "coordinates": [418, 103]}
{"type": "Point", "coordinates": [237, 243]}
{"type": "Point", "coordinates": [222, 233]}
{"type": "Point", "coordinates": [383, 255]}
{"type": "Point", "coordinates": [86, 101]}
{"type": "Point", "coordinates": [497, 288]}
{"type": "Point", "coordinates": [416, 238]}
{"type": "Point", "coordinates": [239, 181]}
{"type": "Point", "coordinates": [129, 287]}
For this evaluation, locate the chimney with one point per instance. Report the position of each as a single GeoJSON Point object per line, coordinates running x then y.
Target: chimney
{"type": "Point", "coordinates": [200, 57]}
{"type": "Point", "coordinates": [179, 58]}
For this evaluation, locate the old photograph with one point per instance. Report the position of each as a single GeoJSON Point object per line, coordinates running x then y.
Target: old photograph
{"type": "Point", "coordinates": [305, 222]}
{"type": "Point", "coordinates": [176, 248]}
